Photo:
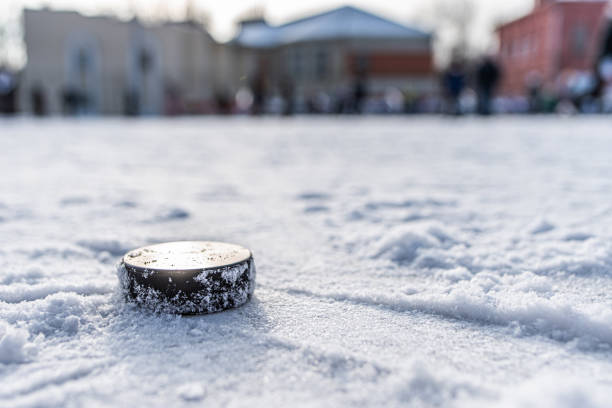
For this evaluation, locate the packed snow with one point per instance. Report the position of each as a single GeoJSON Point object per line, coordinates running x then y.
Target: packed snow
{"type": "Point", "coordinates": [400, 261]}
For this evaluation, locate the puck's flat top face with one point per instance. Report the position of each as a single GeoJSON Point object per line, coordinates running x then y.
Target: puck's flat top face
{"type": "Point", "coordinates": [186, 255]}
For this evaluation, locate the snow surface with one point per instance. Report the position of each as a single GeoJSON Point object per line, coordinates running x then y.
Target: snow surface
{"type": "Point", "coordinates": [420, 262]}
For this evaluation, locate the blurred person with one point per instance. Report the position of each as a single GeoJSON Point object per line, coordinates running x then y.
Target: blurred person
{"type": "Point", "coordinates": [340, 100]}
{"type": "Point", "coordinates": [311, 105]}
{"type": "Point", "coordinates": [223, 103]}
{"type": "Point", "coordinates": [258, 89]}
{"type": "Point", "coordinates": [319, 102]}
{"type": "Point", "coordinates": [454, 84]}
{"type": "Point", "coordinates": [39, 100]}
{"type": "Point", "coordinates": [8, 92]}
{"type": "Point", "coordinates": [533, 83]}
{"type": "Point", "coordinates": [275, 105]}
{"type": "Point", "coordinates": [243, 100]}
{"type": "Point", "coordinates": [604, 70]}
{"type": "Point", "coordinates": [395, 100]}
{"type": "Point", "coordinates": [288, 95]}
{"type": "Point", "coordinates": [324, 102]}
{"type": "Point", "coordinates": [70, 101]}
{"type": "Point", "coordinates": [359, 94]}
{"type": "Point", "coordinates": [581, 90]}
{"type": "Point", "coordinates": [172, 100]}
{"type": "Point", "coordinates": [605, 75]}
{"type": "Point", "coordinates": [131, 103]}
{"type": "Point", "coordinates": [488, 75]}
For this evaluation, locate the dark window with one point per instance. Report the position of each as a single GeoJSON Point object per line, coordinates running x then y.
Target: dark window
{"type": "Point", "coordinates": [580, 35]}
{"type": "Point", "coordinates": [362, 64]}
{"type": "Point", "coordinates": [322, 64]}
{"type": "Point", "coordinates": [296, 63]}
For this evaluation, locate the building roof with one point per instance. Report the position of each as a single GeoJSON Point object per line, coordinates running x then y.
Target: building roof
{"type": "Point", "coordinates": [341, 23]}
{"type": "Point", "coordinates": [547, 5]}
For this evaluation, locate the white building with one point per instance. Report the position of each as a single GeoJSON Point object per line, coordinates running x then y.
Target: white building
{"type": "Point", "coordinates": [328, 52]}
{"type": "Point", "coordinates": [79, 64]}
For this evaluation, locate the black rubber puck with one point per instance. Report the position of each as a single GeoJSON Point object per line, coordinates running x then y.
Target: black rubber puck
{"type": "Point", "coordinates": [188, 277]}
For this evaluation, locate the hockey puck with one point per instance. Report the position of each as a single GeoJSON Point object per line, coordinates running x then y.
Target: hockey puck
{"type": "Point", "coordinates": [188, 277]}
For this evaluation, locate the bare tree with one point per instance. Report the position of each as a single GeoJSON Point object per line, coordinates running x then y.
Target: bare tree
{"type": "Point", "coordinates": [453, 22]}
{"type": "Point", "coordinates": [3, 46]}
{"type": "Point", "coordinates": [254, 13]}
{"type": "Point", "coordinates": [12, 49]}
{"type": "Point", "coordinates": [194, 14]}
{"type": "Point", "coordinates": [457, 16]}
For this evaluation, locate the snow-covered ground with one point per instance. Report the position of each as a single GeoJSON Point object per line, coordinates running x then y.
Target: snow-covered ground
{"type": "Point", "coordinates": [418, 262]}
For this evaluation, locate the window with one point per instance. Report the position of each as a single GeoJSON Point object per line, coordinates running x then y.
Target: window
{"type": "Point", "coordinates": [362, 64]}
{"type": "Point", "coordinates": [297, 62]}
{"type": "Point", "coordinates": [579, 40]}
{"type": "Point", "coordinates": [321, 63]}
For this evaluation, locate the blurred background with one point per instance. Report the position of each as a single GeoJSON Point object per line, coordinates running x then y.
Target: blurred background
{"type": "Point", "coordinates": [190, 57]}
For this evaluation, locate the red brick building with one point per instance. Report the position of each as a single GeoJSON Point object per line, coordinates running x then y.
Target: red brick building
{"type": "Point", "coordinates": [558, 38]}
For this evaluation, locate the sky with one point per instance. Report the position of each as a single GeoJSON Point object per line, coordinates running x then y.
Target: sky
{"type": "Point", "coordinates": [224, 14]}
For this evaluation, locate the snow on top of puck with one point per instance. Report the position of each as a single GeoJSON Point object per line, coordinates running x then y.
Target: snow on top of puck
{"type": "Point", "coordinates": [186, 255]}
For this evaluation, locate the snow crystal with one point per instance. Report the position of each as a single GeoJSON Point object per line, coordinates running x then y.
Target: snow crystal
{"type": "Point", "coordinates": [232, 273]}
